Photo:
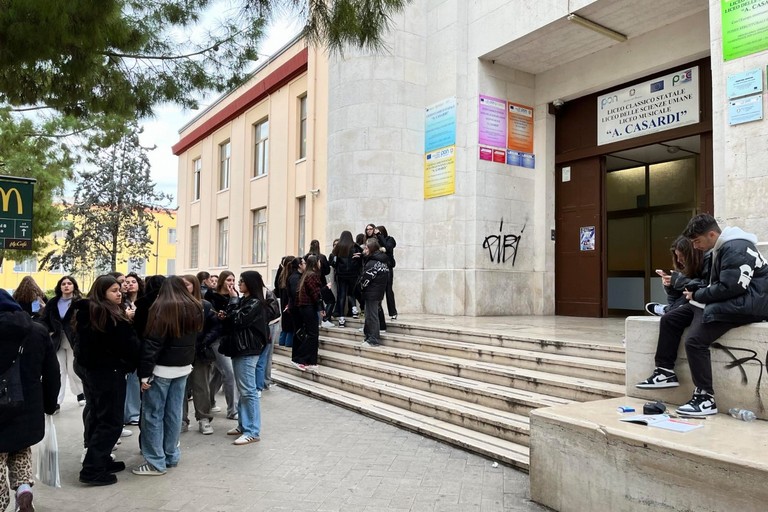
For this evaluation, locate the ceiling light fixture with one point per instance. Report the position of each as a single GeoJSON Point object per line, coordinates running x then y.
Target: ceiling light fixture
{"type": "Point", "coordinates": [596, 27]}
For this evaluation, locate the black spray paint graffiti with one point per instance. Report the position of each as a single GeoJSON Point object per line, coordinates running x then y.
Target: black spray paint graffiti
{"type": "Point", "coordinates": [498, 245]}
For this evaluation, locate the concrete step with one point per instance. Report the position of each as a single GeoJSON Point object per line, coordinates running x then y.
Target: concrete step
{"type": "Point", "coordinates": [495, 448]}
{"type": "Point", "coordinates": [584, 458]}
{"type": "Point", "coordinates": [504, 425]}
{"type": "Point", "coordinates": [582, 367]}
{"type": "Point", "coordinates": [572, 388]}
{"type": "Point", "coordinates": [502, 398]}
{"type": "Point", "coordinates": [554, 345]}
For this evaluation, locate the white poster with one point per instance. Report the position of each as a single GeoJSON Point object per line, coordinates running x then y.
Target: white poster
{"type": "Point", "coordinates": [666, 102]}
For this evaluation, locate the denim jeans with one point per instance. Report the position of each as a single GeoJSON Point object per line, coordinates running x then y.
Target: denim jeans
{"type": "Point", "coordinates": [222, 376]}
{"type": "Point", "coordinates": [132, 398]}
{"type": "Point", "coordinates": [286, 339]}
{"type": "Point", "coordinates": [161, 421]}
{"type": "Point", "coordinates": [261, 366]}
{"type": "Point", "coordinates": [249, 404]}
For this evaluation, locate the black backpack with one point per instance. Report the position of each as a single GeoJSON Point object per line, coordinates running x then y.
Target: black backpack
{"type": "Point", "coordinates": [11, 392]}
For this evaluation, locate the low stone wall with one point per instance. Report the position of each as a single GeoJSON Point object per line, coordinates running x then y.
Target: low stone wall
{"type": "Point", "coordinates": [641, 338]}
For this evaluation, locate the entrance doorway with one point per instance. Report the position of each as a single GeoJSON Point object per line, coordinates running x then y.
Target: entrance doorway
{"type": "Point", "coordinates": [650, 194]}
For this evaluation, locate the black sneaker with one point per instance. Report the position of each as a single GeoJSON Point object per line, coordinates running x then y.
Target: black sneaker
{"type": "Point", "coordinates": [701, 404]}
{"type": "Point", "coordinates": [660, 378]}
{"type": "Point", "coordinates": [655, 309]}
{"type": "Point", "coordinates": [99, 480]}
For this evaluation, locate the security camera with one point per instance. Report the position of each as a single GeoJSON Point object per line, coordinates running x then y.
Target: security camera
{"type": "Point", "coordinates": [558, 103]}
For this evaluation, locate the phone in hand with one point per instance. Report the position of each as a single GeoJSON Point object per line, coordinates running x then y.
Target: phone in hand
{"type": "Point", "coordinates": [661, 273]}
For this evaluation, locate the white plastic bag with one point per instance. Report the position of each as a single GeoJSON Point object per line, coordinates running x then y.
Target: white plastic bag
{"type": "Point", "coordinates": [47, 456]}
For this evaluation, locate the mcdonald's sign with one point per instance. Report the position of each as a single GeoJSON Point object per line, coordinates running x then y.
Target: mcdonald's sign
{"type": "Point", "coordinates": [5, 197]}
{"type": "Point", "coordinates": [16, 195]}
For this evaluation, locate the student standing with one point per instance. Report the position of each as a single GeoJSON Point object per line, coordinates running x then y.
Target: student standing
{"type": "Point", "coordinates": [167, 353]}
{"type": "Point", "coordinates": [107, 349]}
{"type": "Point", "coordinates": [57, 318]}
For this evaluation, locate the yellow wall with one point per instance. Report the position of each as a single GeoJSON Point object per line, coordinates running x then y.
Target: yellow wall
{"type": "Point", "coordinates": [162, 252]}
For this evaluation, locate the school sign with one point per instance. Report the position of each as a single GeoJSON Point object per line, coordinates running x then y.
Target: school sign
{"type": "Point", "coordinates": [16, 213]}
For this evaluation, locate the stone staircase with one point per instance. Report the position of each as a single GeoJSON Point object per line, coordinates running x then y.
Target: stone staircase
{"type": "Point", "coordinates": [465, 387]}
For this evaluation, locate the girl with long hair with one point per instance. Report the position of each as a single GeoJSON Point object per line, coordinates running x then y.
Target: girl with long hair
{"type": "Point", "coordinates": [247, 336]}
{"type": "Point", "coordinates": [107, 349]}
{"type": "Point", "coordinates": [30, 297]}
{"type": "Point", "coordinates": [288, 268]}
{"type": "Point", "coordinates": [57, 317]}
{"type": "Point", "coordinates": [388, 244]}
{"type": "Point", "coordinates": [198, 382]}
{"type": "Point", "coordinates": [689, 268]}
{"type": "Point", "coordinates": [167, 353]}
{"type": "Point", "coordinates": [222, 375]}
{"type": "Point", "coordinates": [347, 261]}
{"type": "Point", "coordinates": [309, 302]}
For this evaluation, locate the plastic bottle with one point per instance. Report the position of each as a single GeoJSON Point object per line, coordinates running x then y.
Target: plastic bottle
{"type": "Point", "coordinates": [742, 414]}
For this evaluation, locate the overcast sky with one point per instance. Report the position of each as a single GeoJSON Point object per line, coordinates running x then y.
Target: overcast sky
{"type": "Point", "coordinates": [163, 130]}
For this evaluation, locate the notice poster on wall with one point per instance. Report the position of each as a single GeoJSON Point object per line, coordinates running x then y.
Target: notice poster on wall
{"type": "Point", "coordinates": [492, 122]}
{"type": "Point", "coordinates": [519, 128]}
{"type": "Point", "coordinates": [440, 172]}
{"type": "Point", "coordinates": [663, 103]}
{"type": "Point", "coordinates": [440, 125]}
{"type": "Point", "coordinates": [587, 238]}
{"type": "Point", "coordinates": [745, 27]}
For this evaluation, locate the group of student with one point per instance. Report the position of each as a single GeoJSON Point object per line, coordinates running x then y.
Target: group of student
{"type": "Point", "coordinates": [165, 333]}
{"type": "Point", "coordinates": [720, 282]}
{"type": "Point", "coordinates": [362, 271]}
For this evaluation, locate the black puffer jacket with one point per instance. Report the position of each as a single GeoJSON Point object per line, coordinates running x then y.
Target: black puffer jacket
{"type": "Point", "coordinates": [389, 244]}
{"type": "Point", "coordinates": [738, 284]}
{"type": "Point", "coordinates": [40, 379]}
{"type": "Point", "coordinates": [115, 349]}
{"type": "Point", "coordinates": [373, 282]}
{"type": "Point", "coordinates": [52, 321]}
{"type": "Point", "coordinates": [348, 267]}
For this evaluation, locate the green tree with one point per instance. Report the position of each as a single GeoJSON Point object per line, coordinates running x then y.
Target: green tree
{"type": "Point", "coordinates": [32, 150]}
{"type": "Point", "coordinates": [111, 214]}
{"type": "Point", "coordinates": [126, 56]}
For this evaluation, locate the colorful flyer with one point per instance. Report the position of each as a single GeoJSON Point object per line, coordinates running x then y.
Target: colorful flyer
{"type": "Point", "coordinates": [486, 153]}
{"type": "Point", "coordinates": [440, 172]}
{"type": "Point", "coordinates": [440, 125]}
{"type": "Point", "coordinates": [492, 119]}
{"type": "Point", "coordinates": [587, 238]}
{"type": "Point", "coordinates": [520, 128]}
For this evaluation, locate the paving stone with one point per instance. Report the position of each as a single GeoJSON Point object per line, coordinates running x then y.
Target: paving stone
{"type": "Point", "coordinates": [313, 456]}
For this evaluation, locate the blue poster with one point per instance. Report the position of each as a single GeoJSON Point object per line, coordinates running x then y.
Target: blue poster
{"type": "Point", "coordinates": [440, 125]}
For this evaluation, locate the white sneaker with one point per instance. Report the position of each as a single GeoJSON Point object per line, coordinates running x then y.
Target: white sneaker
{"type": "Point", "coordinates": [126, 433]}
{"type": "Point", "coordinates": [327, 324]}
{"type": "Point", "coordinates": [215, 408]}
{"type": "Point", "coordinates": [205, 427]}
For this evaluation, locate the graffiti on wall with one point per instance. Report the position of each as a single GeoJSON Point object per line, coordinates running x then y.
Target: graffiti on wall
{"type": "Point", "coordinates": [503, 247]}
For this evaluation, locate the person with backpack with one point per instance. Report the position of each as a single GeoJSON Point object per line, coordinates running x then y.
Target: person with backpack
{"type": "Point", "coordinates": [29, 386]}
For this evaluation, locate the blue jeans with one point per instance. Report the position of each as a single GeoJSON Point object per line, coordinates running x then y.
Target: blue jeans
{"type": "Point", "coordinates": [249, 404]}
{"type": "Point", "coordinates": [132, 408]}
{"type": "Point", "coordinates": [286, 339]}
{"type": "Point", "coordinates": [261, 366]}
{"type": "Point", "coordinates": [161, 421]}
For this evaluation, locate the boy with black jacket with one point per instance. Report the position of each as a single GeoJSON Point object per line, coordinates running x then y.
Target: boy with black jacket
{"type": "Point", "coordinates": [373, 284]}
{"type": "Point", "coordinates": [737, 294]}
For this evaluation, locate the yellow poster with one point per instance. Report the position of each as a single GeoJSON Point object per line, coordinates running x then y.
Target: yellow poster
{"type": "Point", "coordinates": [440, 172]}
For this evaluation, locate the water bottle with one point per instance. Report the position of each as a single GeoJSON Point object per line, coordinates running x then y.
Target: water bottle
{"type": "Point", "coordinates": [742, 414]}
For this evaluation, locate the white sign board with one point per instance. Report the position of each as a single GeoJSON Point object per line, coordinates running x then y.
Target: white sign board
{"type": "Point", "coordinates": [666, 102]}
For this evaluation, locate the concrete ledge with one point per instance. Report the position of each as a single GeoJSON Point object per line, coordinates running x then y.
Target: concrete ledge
{"type": "Point", "coordinates": [642, 334]}
{"type": "Point", "coordinates": [583, 458]}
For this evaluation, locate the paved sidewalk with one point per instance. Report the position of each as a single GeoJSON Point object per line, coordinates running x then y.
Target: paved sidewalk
{"type": "Point", "coordinates": [313, 456]}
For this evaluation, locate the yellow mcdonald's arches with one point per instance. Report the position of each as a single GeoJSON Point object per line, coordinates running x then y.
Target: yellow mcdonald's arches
{"type": "Point", "coordinates": [6, 197]}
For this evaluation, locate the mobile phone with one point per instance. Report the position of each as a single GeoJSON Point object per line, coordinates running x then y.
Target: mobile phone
{"type": "Point", "coordinates": [661, 273]}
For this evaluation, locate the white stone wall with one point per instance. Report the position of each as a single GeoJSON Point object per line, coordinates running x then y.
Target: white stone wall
{"type": "Point", "coordinates": [376, 146]}
{"type": "Point", "coordinates": [740, 152]}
